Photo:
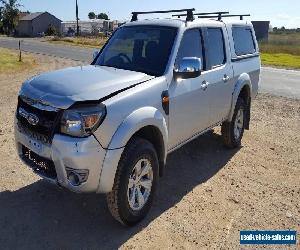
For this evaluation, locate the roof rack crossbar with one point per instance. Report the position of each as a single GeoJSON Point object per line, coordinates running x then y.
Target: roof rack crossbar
{"type": "Point", "coordinates": [219, 13]}
{"type": "Point", "coordinates": [218, 16]}
{"type": "Point", "coordinates": [189, 13]}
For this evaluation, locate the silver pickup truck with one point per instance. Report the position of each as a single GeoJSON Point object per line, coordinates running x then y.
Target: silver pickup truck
{"type": "Point", "coordinates": [155, 85]}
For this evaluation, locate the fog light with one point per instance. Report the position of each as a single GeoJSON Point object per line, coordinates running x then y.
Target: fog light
{"type": "Point", "coordinates": [77, 176]}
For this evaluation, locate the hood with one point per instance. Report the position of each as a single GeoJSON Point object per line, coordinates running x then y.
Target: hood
{"type": "Point", "coordinates": [62, 88]}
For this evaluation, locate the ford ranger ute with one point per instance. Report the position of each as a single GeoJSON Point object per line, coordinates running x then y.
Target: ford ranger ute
{"type": "Point", "coordinates": [154, 86]}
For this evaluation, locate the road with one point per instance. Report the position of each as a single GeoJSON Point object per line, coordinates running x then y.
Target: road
{"type": "Point", "coordinates": [278, 82]}
{"type": "Point", "coordinates": [36, 46]}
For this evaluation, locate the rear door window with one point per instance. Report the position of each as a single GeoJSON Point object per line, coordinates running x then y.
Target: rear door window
{"type": "Point", "coordinates": [243, 41]}
{"type": "Point", "coordinates": [215, 48]}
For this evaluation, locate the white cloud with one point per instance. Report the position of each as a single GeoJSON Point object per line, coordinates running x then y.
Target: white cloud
{"type": "Point", "coordinates": [286, 20]}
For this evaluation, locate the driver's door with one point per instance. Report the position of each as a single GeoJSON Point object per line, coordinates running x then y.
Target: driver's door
{"type": "Point", "coordinates": [189, 102]}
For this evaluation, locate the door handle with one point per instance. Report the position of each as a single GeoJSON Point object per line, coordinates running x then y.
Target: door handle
{"type": "Point", "coordinates": [226, 78]}
{"type": "Point", "coordinates": [204, 85]}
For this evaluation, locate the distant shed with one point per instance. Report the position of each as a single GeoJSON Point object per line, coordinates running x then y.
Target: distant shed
{"type": "Point", "coordinates": [261, 29]}
{"type": "Point", "coordinates": [35, 23]}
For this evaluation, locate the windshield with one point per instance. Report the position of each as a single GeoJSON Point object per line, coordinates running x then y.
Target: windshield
{"type": "Point", "coordinates": [139, 48]}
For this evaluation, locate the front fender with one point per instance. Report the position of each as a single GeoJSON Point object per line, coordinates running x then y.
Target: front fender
{"type": "Point", "coordinates": [243, 80]}
{"type": "Point", "coordinates": [147, 116]}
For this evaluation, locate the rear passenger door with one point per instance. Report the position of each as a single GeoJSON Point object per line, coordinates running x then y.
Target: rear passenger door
{"type": "Point", "coordinates": [218, 73]}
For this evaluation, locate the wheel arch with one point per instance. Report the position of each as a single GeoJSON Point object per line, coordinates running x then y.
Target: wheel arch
{"type": "Point", "coordinates": [148, 123]}
{"type": "Point", "coordinates": [243, 89]}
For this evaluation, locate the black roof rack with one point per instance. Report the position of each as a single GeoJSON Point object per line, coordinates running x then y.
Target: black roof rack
{"type": "Point", "coordinates": [219, 13]}
{"type": "Point", "coordinates": [220, 16]}
{"type": "Point", "coordinates": [189, 13]}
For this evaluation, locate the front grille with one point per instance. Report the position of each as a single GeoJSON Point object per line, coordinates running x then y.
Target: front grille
{"type": "Point", "coordinates": [40, 165]}
{"type": "Point", "coordinates": [46, 127]}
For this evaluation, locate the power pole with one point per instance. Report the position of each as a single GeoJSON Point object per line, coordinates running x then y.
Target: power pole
{"type": "Point", "coordinates": [77, 19]}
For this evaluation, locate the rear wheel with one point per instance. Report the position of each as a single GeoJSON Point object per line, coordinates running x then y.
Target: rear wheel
{"type": "Point", "coordinates": [232, 132]}
{"type": "Point", "coordinates": [135, 182]}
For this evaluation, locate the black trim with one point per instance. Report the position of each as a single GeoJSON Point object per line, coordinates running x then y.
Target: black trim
{"type": "Point", "coordinates": [240, 58]}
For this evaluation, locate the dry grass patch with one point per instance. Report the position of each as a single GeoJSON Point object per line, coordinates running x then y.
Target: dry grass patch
{"type": "Point", "coordinates": [9, 61]}
{"type": "Point", "coordinates": [282, 43]}
{"type": "Point", "coordinates": [89, 42]}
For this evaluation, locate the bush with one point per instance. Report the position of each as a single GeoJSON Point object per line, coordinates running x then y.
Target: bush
{"type": "Point", "coordinates": [51, 30]}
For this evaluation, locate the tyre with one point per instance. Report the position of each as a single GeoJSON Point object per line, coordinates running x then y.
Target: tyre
{"type": "Point", "coordinates": [232, 132]}
{"type": "Point", "coordinates": [135, 182]}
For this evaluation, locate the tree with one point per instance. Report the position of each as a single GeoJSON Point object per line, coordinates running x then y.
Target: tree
{"type": "Point", "coordinates": [1, 23]}
{"type": "Point", "coordinates": [92, 15]}
{"type": "Point", "coordinates": [282, 28]}
{"type": "Point", "coordinates": [10, 15]}
{"type": "Point", "coordinates": [51, 30]}
{"type": "Point", "coordinates": [102, 16]}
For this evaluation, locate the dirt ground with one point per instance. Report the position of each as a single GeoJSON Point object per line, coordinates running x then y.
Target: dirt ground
{"type": "Point", "coordinates": [207, 195]}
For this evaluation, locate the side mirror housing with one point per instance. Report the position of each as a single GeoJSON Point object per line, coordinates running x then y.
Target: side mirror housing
{"type": "Point", "coordinates": [188, 67]}
{"type": "Point", "coordinates": [95, 53]}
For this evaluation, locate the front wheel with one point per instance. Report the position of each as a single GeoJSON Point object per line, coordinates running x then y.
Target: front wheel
{"type": "Point", "coordinates": [135, 182]}
{"type": "Point", "coordinates": [232, 132]}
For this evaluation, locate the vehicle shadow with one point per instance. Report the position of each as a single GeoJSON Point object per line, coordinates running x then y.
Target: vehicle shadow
{"type": "Point", "coordinates": [43, 216]}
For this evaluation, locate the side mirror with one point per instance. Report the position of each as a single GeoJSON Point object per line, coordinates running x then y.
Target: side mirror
{"type": "Point", "coordinates": [95, 54]}
{"type": "Point", "coordinates": [188, 67]}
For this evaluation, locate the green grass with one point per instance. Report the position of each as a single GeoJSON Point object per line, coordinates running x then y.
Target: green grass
{"type": "Point", "coordinates": [89, 42]}
{"type": "Point", "coordinates": [281, 60]}
{"type": "Point", "coordinates": [281, 50]}
{"type": "Point", "coordinates": [9, 61]}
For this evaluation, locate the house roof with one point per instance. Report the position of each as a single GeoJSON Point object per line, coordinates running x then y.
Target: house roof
{"type": "Point", "coordinates": [31, 16]}
{"type": "Point", "coordinates": [34, 15]}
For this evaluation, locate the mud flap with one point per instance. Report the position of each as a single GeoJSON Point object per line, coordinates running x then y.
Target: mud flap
{"type": "Point", "coordinates": [248, 114]}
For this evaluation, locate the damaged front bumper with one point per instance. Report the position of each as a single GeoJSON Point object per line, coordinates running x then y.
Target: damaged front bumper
{"type": "Point", "coordinates": [74, 163]}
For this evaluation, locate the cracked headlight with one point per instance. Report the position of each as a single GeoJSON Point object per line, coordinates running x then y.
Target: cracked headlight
{"type": "Point", "coordinates": [83, 120]}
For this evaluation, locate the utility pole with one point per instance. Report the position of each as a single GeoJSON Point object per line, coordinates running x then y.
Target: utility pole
{"type": "Point", "coordinates": [77, 19]}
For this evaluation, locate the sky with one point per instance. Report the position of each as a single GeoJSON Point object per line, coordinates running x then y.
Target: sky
{"type": "Point", "coordinates": [279, 12]}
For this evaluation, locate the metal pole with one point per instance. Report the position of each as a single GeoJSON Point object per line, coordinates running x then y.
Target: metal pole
{"type": "Point", "coordinates": [77, 18]}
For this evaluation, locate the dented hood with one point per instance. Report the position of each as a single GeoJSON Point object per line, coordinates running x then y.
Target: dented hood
{"type": "Point", "coordinates": [62, 88]}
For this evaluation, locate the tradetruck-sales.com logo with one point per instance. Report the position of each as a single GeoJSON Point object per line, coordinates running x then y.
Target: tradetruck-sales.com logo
{"type": "Point", "coordinates": [268, 237]}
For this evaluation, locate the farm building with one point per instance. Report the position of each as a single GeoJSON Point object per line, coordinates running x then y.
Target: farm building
{"type": "Point", "coordinates": [261, 29]}
{"type": "Point", "coordinates": [93, 26]}
{"type": "Point", "coordinates": [36, 23]}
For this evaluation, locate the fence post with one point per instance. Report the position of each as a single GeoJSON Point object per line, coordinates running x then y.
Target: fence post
{"type": "Point", "coordinates": [20, 52]}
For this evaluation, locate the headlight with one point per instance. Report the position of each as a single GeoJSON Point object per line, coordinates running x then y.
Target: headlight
{"type": "Point", "coordinates": [82, 121]}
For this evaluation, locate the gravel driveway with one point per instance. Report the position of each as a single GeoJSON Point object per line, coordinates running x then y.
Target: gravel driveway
{"type": "Point", "coordinates": [207, 195]}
